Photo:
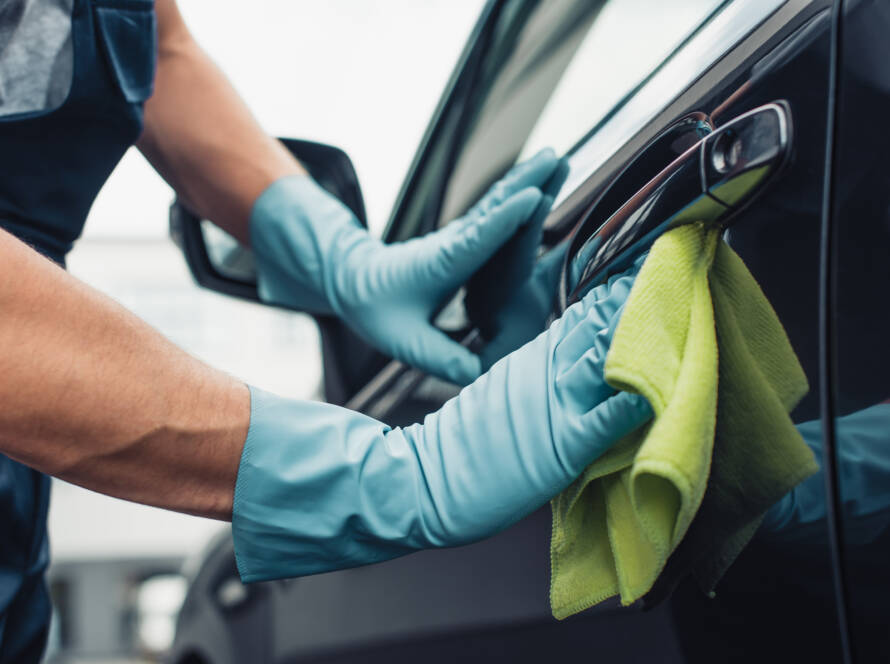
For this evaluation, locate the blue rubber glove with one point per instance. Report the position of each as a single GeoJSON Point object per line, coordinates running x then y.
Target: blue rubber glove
{"type": "Point", "coordinates": [321, 488]}
{"type": "Point", "coordinates": [511, 297]}
{"type": "Point", "coordinates": [525, 312]}
{"type": "Point", "coordinates": [312, 254]}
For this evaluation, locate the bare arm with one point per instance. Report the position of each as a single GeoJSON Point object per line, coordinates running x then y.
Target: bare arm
{"type": "Point", "coordinates": [201, 137]}
{"type": "Point", "coordinates": [95, 396]}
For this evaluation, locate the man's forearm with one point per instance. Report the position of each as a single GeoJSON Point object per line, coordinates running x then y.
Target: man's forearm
{"type": "Point", "coordinates": [200, 135]}
{"type": "Point", "coordinates": [93, 395]}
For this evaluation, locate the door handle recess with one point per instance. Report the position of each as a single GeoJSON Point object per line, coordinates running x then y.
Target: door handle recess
{"type": "Point", "coordinates": [710, 182]}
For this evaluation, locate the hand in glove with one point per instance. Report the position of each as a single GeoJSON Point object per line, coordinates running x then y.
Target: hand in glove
{"type": "Point", "coordinates": [321, 488]}
{"type": "Point", "coordinates": [312, 254]}
{"type": "Point", "coordinates": [511, 297]}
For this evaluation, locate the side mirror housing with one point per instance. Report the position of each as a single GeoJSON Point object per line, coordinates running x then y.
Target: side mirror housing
{"type": "Point", "coordinates": [219, 262]}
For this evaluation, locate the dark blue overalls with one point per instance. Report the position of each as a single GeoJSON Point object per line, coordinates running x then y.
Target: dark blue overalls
{"type": "Point", "coordinates": [52, 165]}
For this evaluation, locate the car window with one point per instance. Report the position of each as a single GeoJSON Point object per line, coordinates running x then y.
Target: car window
{"type": "Point", "coordinates": [626, 42]}
{"type": "Point", "coordinates": [585, 77]}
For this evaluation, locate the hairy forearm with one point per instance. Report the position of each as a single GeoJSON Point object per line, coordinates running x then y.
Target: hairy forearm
{"type": "Point", "coordinates": [201, 137]}
{"type": "Point", "coordinates": [93, 395]}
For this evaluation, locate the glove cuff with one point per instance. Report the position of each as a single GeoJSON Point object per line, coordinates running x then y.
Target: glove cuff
{"type": "Point", "coordinates": [320, 488]}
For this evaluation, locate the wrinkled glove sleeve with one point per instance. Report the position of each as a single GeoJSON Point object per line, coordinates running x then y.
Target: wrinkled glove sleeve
{"type": "Point", "coordinates": [321, 488]}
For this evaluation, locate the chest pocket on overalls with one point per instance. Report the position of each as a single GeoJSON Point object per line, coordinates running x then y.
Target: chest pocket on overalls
{"type": "Point", "coordinates": [129, 37]}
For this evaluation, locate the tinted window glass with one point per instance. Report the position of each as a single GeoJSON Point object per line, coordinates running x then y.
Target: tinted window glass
{"type": "Point", "coordinates": [628, 39]}
{"type": "Point", "coordinates": [571, 64]}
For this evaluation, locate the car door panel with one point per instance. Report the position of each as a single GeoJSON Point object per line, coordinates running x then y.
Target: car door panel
{"type": "Point", "coordinates": [452, 598]}
{"type": "Point", "coordinates": [777, 601]}
{"type": "Point", "coordinates": [778, 236]}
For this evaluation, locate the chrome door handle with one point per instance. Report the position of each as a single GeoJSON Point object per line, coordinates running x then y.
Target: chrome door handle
{"type": "Point", "coordinates": [711, 182]}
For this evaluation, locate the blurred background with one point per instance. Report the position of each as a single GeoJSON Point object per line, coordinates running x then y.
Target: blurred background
{"type": "Point", "coordinates": [366, 77]}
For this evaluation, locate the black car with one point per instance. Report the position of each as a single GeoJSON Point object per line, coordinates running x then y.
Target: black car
{"type": "Point", "coordinates": [797, 90]}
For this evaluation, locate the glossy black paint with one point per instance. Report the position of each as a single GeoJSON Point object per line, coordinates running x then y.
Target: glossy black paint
{"type": "Point", "coordinates": [777, 601]}
{"type": "Point", "coordinates": [782, 590]}
{"type": "Point", "coordinates": [859, 237]}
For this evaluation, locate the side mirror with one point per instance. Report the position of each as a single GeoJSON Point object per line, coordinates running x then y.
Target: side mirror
{"type": "Point", "coordinates": [219, 262]}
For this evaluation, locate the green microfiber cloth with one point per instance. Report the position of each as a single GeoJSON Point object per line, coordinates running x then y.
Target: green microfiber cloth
{"type": "Point", "coordinates": [616, 526]}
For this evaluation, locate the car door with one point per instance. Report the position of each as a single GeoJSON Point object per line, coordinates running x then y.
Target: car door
{"type": "Point", "coordinates": [778, 600]}
{"type": "Point", "coordinates": [533, 74]}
